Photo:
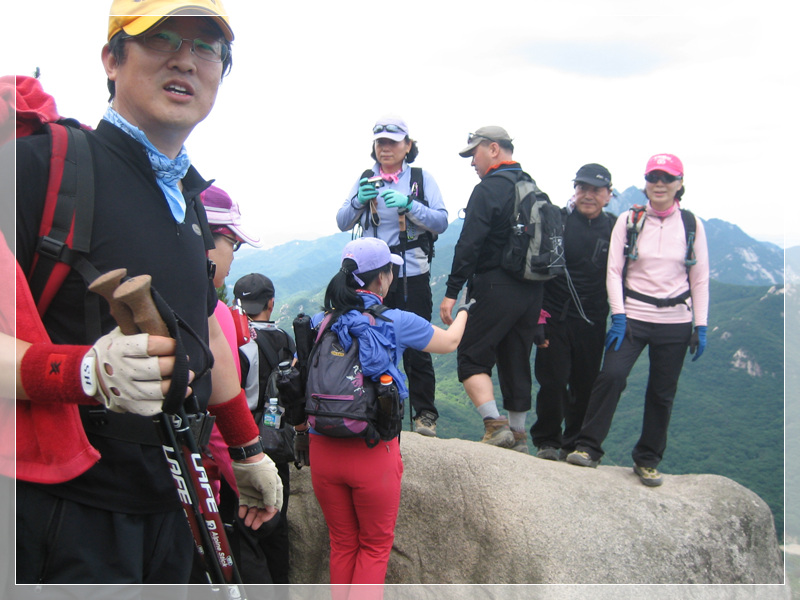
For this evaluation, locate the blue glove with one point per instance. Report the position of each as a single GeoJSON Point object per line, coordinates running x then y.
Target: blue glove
{"type": "Point", "coordinates": [617, 331]}
{"type": "Point", "coordinates": [366, 191]}
{"type": "Point", "coordinates": [697, 344]}
{"type": "Point", "coordinates": [395, 199]}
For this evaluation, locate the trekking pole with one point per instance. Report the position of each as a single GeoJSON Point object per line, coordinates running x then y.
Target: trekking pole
{"type": "Point", "coordinates": [401, 217]}
{"type": "Point", "coordinates": [133, 304]}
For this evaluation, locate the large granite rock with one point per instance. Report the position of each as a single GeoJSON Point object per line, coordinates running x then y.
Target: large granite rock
{"type": "Point", "coordinates": [471, 513]}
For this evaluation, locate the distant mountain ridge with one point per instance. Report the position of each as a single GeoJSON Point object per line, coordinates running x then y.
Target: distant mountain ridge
{"type": "Point", "coordinates": [300, 266]}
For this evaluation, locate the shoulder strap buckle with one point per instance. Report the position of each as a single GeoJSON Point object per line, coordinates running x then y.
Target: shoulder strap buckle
{"type": "Point", "coordinates": [51, 248]}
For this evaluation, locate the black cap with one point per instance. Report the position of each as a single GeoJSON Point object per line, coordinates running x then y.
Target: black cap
{"type": "Point", "coordinates": [593, 174]}
{"type": "Point", "coordinates": [254, 291]}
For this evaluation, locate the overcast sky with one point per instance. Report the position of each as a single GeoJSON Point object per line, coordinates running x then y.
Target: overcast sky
{"type": "Point", "coordinates": [609, 82]}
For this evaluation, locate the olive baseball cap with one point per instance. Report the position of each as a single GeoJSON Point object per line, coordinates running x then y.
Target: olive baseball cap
{"type": "Point", "coordinates": [134, 17]}
{"type": "Point", "coordinates": [492, 133]}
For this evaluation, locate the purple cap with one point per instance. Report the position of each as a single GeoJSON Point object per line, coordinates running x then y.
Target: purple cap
{"type": "Point", "coordinates": [369, 253]}
{"type": "Point", "coordinates": [222, 211]}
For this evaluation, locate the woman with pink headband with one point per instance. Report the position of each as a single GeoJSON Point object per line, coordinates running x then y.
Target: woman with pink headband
{"type": "Point", "coordinates": [657, 282]}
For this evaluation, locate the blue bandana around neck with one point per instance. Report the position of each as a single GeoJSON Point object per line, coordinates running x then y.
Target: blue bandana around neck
{"type": "Point", "coordinates": [168, 172]}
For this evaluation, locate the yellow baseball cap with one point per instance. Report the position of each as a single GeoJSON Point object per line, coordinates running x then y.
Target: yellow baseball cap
{"type": "Point", "coordinates": [134, 17]}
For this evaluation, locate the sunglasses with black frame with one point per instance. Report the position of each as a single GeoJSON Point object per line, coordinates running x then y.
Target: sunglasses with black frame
{"type": "Point", "coordinates": [656, 176]}
{"type": "Point", "coordinates": [236, 243]}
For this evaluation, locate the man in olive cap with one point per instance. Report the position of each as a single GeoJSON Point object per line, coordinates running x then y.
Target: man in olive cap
{"type": "Point", "coordinates": [502, 323]}
{"type": "Point", "coordinates": [117, 518]}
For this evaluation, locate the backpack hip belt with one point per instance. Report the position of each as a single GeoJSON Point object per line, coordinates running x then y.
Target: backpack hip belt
{"type": "Point", "coordinates": [659, 302]}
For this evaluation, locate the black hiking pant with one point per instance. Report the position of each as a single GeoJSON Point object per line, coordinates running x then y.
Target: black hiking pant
{"type": "Point", "coordinates": [417, 365]}
{"type": "Point", "coordinates": [566, 371]}
{"type": "Point", "coordinates": [64, 542]}
{"type": "Point", "coordinates": [667, 343]}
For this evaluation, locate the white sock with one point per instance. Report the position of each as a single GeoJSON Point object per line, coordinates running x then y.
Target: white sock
{"type": "Point", "coordinates": [516, 420]}
{"type": "Point", "coordinates": [489, 410]}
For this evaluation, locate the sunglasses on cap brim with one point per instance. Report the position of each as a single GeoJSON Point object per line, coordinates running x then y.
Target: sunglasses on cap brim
{"type": "Point", "coordinates": [388, 128]}
{"type": "Point", "coordinates": [474, 136]}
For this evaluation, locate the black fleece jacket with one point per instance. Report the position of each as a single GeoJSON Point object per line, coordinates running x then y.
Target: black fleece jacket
{"type": "Point", "coordinates": [487, 226]}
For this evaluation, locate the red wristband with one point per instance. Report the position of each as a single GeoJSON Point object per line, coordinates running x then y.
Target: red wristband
{"type": "Point", "coordinates": [234, 420]}
{"type": "Point", "coordinates": [52, 373]}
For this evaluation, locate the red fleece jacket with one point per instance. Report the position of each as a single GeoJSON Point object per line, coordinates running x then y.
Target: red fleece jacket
{"type": "Point", "coordinates": [51, 444]}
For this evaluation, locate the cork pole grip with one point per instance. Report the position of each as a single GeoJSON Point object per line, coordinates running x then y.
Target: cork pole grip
{"type": "Point", "coordinates": [105, 285]}
{"type": "Point", "coordinates": [135, 292]}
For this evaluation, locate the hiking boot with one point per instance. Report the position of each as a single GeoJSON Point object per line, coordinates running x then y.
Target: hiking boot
{"type": "Point", "coordinates": [548, 453]}
{"type": "Point", "coordinates": [498, 433]}
{"type": "Point", "coordinates": [425, 424]}
{"type": "Point", "coordinates": [520, 442]}
{"type": "Point", "coordinates": [582, 459]}
{"type": "Point", "coordinates": [648, 475]}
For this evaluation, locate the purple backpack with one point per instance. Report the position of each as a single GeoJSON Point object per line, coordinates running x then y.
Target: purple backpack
{"type": "Point", "coordinates": [340, 400]}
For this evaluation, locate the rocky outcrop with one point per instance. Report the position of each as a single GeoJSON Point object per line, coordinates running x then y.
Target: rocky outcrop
{"type": "Point", "coordinates": [472, 513]}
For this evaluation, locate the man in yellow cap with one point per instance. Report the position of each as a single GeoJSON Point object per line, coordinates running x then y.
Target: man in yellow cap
{"type": "Point", "coordinates": [119, 520]}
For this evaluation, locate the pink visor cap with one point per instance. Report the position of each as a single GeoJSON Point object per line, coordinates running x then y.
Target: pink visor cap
{"type": "Point", "coordinates": [669, 163]}
{"type": "Point", "coordinates": [224, 212]}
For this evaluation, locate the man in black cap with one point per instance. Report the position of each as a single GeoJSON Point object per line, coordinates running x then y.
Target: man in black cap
{"type": "Point", "coordinates": [570, 345]}
{"type": "Point", "coordinates": [270, 346]}
{"type": "Point", "coordinates": [256, 293]}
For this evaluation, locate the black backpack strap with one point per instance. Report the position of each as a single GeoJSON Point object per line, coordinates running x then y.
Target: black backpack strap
{"type": "Point", "coordinates": [267, 361]}
{"type": "Point", "coordinates": [377, 310]}
{"type": "Point", "coordinates": [244, 366]}
{"type": "Point", "coordinates": [418, 186]}
{"type": "Point", "coordinates": [690, 228]}
{"type": "Point", "coordinates": [426, 239]}
{"type": "Point", "coordinates": [202, 218]}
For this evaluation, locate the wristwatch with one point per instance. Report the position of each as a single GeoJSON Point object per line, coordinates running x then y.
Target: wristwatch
{"type": "Point", "coordinates": [243, 452]}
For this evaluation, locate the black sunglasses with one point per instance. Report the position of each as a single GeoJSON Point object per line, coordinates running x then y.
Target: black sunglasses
{"type": "Point", "coordinates": [236, 243]}
{"type": "Point", "coordinates": [656, 176]}
{"type": "Point", "coordinates": [390, 128]}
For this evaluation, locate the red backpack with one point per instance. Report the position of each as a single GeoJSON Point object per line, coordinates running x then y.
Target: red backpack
{"type": "Point", "coordinates": [66, 228]}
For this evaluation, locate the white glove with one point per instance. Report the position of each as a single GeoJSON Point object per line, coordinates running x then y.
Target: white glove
{"type": "Point", "coordinates": [120, 373]}
{"type": "Point", "coordinates": [259, 484]}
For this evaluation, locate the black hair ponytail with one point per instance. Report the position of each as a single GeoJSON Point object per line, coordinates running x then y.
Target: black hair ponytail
{"type": "Point", "coordinates": [341, 295]}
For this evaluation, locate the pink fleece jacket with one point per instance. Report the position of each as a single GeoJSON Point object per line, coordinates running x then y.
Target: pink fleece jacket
{"type": "Point", "coordinates": [660, 270]}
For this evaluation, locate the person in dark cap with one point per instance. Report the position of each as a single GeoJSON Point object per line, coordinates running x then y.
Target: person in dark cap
{"type": "Point", "coordinates": [570, 344]}
{"type": "Point", "coordinates": [270, 346]}
{"type": "Point", "coordinates": [507, 310]}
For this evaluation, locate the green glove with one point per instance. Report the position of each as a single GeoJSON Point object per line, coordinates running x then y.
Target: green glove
{"type": "Point", "coordinates": [366, 191]}
{"type": "Point", "coordinates": [394, 199]}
